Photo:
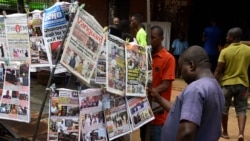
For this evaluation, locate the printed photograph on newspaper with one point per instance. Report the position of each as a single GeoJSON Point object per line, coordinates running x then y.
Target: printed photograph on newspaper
{"type": "Point", "coordinates": [83, 46]}
{"type": "Point", "coordinates": [136, 68]}
{"type": "Point", "coordinates": [116, 65]}
{"type": "Point", "coordinates": [92, 123]}
{"type": "Point", "coordinates": [116, 116]}
{"type": "Point", "coordinates": [63, 121]}
{"type": "Point", "coordinates": [140, 111]}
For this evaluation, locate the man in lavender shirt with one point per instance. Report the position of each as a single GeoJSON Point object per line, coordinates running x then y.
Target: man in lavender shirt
{"type": "Point", "coordinates": [197, 111]}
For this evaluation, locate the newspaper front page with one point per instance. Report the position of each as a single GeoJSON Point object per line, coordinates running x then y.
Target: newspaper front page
{"type": "Point", "coordinates": [136, 68]}
{"type": "Point", "coordinates": [116, 116]}
{"type": "Point", "coordinates": [83, 46]}
{"type": "Point", "coordinates": [14, 71]}
{"type": "Point", "coordinates": [63, 115]}
{"type": "Point", "coordinates": [54, 26]}
{"type": "Point", "coordinates": [92, 122]}
{"type": "Point", "coordinates": [116, 65]}
{"type": "Point", "coordinates": [140, 111]}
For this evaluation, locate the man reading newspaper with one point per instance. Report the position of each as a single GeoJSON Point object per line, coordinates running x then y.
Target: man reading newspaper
{"type": "Point", "coordinates": [163, 74]}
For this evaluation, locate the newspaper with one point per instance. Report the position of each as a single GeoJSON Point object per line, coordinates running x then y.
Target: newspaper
{"type": "Point", "coordinates": [4, 53]}
{"type": "Point", "coordinates": [83, 46]}
{"type": "Point", "coordinates": [140, 111]}
{"type": "Point", "coordinates": [39, 53]}
{"type": "Point", "coordinates": [156, 107]}
{"type": "Point", "coordinates": [100, 73]}
{"type": "Point", "coordinates": [116, 116]}
{"type": "Point", "coordinates": [92, 123]}
{"type": "Point", "coordinates": [54, 26]}
{"type": "Point", "coordinates": [136, 68]}
{"type": "Point", "coordinates": [14, 71]}
{"type": "Point", "coordinates": [17, 36]}
{"type": "Point", "coordinates": [100, 76]}
{"type": "Point", "coordinates": [63, 115]}
{"type": "Point", "coordinates": [15, 98]}
{"type": "Point", "coordinates": [116, 67]}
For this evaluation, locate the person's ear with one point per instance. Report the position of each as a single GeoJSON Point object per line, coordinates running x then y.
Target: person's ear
{"type": "Point", "coordinates": [192, 66]}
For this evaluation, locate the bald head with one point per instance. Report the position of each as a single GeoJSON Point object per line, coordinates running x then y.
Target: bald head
{"type": "Point", "coordinates": [235, 33]}
{"type": "Point", "coordinates": [116, 20]}
{"type": "Point", "coordinates": [197, 55]}
{"type": "Point", "coordinates": [194, 64]}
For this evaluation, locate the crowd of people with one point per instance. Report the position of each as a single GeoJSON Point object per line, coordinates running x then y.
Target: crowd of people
{"type": "Point", "coordinates": [215, 73]}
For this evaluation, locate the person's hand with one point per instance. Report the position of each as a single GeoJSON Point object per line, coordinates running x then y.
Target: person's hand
{"type": "Point", "coordinates": [154, 94]}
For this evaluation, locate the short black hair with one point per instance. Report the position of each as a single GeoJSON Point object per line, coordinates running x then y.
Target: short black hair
{"type": "Point", "coordinates": [159, 29]}
{"type": "Point", "coordinates": [138, 16]}
{"type": "Point", "coordinates": [124, 25]}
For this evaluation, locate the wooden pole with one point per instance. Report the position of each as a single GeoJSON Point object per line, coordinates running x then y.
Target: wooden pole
{"type": "Point", "coordinates": [148, 22]}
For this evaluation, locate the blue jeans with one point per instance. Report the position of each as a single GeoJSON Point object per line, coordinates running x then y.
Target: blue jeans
{"type": "Point", "coordinates": [155, 133]}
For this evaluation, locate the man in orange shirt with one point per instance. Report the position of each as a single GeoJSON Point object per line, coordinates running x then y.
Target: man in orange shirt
{"type": "Point", "coordinates": [163, 71]}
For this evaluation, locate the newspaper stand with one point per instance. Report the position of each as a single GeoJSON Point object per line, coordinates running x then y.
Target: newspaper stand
{"type": "Point", "coordinates": [6, 134]}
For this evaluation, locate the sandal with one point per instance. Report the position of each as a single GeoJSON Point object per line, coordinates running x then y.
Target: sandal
{"type": "Point", "coordinates": [224, 135]}
{"type": "Point", "coordinates": [241, 138]}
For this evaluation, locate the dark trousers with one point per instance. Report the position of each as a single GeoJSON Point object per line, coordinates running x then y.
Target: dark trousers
{"type": "Point", "coordinates": [213, 60]}
{"type": "Point", "coordinates": [143, 132]}
{"type": "Point", "coordinates": [176, 65]}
